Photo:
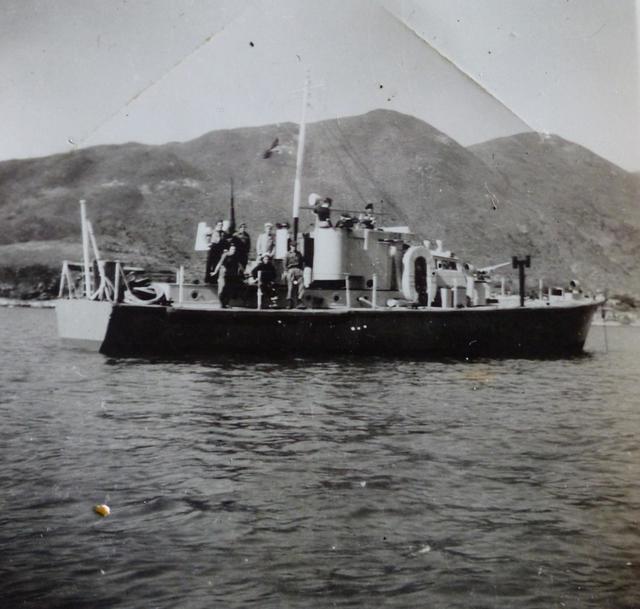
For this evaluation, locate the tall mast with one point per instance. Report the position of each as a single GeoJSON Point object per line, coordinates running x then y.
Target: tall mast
{"type": "Point", "coordinates": [299, 161]}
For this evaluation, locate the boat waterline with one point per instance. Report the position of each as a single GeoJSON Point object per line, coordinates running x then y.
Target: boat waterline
{"type": "Point", "coordinates": [161, 331]}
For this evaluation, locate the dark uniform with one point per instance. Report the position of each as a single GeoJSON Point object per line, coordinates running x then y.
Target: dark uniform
{"type": "Point", "coordinates": [242, 241]}
{"type": "Point", "coordinates": [267, 278]}
{"type": "Point", "coordinates": [293, 263]}
{"type": "Point", "coordinates": [217, 247]}
{"type": "Point", "coordinates": [323, 211]}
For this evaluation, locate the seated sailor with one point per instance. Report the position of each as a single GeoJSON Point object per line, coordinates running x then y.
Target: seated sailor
{"type": "Point", "coordinates": [265, 275]}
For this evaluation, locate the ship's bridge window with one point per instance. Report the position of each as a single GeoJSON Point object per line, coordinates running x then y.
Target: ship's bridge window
{"type": "Point", "coordinates": [447, 265]}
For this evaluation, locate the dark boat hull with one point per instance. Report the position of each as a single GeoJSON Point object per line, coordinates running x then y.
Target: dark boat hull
{"type": "Point", "coordinates": [198, 332]}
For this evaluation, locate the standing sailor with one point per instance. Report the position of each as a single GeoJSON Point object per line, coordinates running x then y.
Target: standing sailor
{"type": "Point", "coordinates": [242, 241]}
{"type": "Point", "coordinates": [216, 247]}
{"type": "Point", "coordinates": [229, 272]}
{"type": "Point", "coordinates": [295, 276]}
{"type": "Point", "coordinates": [322, 209]}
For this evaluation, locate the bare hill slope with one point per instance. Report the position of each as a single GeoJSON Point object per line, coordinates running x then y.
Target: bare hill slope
{"type": "Point", "coordinates": [590, 204]}
{"type": "Point", "coordinates": [575, 213]}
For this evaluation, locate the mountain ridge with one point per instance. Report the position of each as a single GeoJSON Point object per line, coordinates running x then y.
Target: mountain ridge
{"type": "Point", "coordinates": [576, 213]}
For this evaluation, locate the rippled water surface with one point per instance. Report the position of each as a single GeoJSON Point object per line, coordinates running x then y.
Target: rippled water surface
{"type": "Point", "coordinates": [348, 483]}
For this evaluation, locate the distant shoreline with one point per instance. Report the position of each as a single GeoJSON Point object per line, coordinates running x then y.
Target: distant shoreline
{"type": "Point", "coordinates": [616, 324]}
{"type": "Point", "coordinates": [26, 304]}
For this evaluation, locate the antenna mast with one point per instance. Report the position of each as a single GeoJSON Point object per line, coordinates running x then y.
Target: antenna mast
{"type": "Point", "coordinates": [299, 161]}
{"type": "Point", "coordinates": [232, 212]}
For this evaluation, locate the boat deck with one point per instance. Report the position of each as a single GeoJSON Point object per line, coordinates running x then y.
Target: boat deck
{"type": "Point", "coordinates": [532, 304]}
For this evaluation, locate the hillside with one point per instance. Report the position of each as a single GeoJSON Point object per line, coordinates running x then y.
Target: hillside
{"type": "Point", "coordinates": [596, 203]}
{"type": "Point", "coordinates": [574, 212]}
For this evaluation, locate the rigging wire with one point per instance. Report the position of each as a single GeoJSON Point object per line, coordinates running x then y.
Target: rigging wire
{"type": "Point", "coordinates": [349, 178]}
{"type": "Point", "coordinates": [351, 152]}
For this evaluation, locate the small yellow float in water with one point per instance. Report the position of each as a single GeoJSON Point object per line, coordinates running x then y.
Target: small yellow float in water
{"type": "Point", "coordinates": [102, 509]}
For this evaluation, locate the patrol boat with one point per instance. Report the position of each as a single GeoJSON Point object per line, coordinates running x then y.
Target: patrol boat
{"type": "Point", "coordinates": [370, 291]}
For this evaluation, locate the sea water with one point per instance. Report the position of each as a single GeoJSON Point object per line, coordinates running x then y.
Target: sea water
{"type": "Point", "coordinates": [317, 483]}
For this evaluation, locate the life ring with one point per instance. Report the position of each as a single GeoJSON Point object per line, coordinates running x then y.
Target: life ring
{"type": "Point", "coordinates": [147, 295]}
{"type": "Point", "coordinates": [409, 290]}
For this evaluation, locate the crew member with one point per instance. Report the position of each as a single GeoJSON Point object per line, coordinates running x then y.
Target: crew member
{"type": "Point", "coordinates": [367, 219]}
{"type": "Point", "coordinates": [322, 209]}
{"type": "Point", "coordinates": [265, 274]}
{"type": "Point", "coordinates": [266, 243]}
{"type": "Point", "coordinates": [295, 276]}
{"type": "Point", "coordinates": [216, 248]}
{"type": "Point", "coordinates": [242, 241]}
{"type": "Point", "coordinates": [230, 272]}
{"type": "Point", "coordinates": [345, 221]}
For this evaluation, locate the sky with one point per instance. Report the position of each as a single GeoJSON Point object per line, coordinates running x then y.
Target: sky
{"type": "Point", "coordinates": [77, 73]}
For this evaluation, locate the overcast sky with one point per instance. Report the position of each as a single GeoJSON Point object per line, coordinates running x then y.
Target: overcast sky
{"type": "Point", "coordinates": [84, 72]}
